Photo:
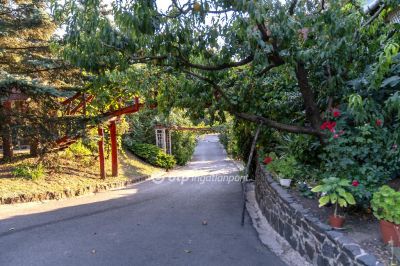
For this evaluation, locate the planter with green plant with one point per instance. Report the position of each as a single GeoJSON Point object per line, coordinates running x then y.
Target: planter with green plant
{"type": "Point", "coordinates": [334, 191]}
{"type": "Point", "coordinates": [285, 168]}
{"type": "Point", "coordinates": [385, 204]}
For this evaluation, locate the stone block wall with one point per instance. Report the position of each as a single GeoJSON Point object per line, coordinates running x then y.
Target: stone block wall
{"type": "Point", "coordinates": [314, 240]}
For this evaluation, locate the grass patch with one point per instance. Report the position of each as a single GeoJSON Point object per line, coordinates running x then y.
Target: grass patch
{"type": "Point", "coordinates": [34, 172]}
{"type": "Point", "coordinates": [59, 173]}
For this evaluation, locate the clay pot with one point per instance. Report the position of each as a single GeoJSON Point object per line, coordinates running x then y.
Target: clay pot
{"type": "Point", "coordinates": [336, 221]}
{"type": "Point", "coordinates": [390, 232]}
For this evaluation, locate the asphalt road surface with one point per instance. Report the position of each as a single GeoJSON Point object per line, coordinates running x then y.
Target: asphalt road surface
{"type": "Point", "coordinates": [189, 217]}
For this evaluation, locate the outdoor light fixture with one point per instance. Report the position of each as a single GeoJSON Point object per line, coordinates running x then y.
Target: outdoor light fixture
{"type": "Point", "coordinates": [370, 6]}
{"type": "Point", "coordinates": [374, 7]}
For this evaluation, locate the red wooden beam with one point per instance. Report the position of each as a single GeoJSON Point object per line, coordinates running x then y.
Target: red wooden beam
{"type": "Point", "coordinates": [61, 140]}
{"type": "Point", "coordinates": [69, 100]}
{"type": "Point", "coordinates": [126, 110]}
{"type": "Point", "coordinates": [114, 148]}
{"type": "Point", "coordinates": [101, 153]}
{"type": "Point", "coordinates": [81, 104]}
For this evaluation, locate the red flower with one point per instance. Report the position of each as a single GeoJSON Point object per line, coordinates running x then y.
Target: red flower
{"type": "Point", "coordinates": [355, 183]}
{"type": "Point", "coordinates": [267, 160]}
{"type": "Point", "coordinates": [328, 125]}
{"type": "Point", "coordinates": [335, 136]}
{"type": "Point", "coordinates": [378, 122]}
{"type": "Point", "coordinates": [336, 112]}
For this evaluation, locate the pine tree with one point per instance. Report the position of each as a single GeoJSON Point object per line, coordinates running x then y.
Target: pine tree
{"type": "Point", "coordinates": [29, 70]}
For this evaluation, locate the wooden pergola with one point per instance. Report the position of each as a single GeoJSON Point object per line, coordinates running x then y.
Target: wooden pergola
{"type": "Point", "coordinates": [75, 105]}
{"type": "Point", "coordinates": [163, 135]}
{"type": "Point", "coordinates": [114, 117]}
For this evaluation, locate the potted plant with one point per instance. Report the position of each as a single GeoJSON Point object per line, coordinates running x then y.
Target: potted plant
{"type": "Point", "coordinates": [283, 168]}
{"type": "Point", "coordinates": [334, 191]}
{"type": "Point", "coordinates": [385, 204]}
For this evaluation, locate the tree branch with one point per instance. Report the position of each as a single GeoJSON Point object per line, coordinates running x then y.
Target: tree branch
{"type": "Point", "coordinates": [265, 70]}
{"type": "Point", "coordinates": [41, 70]}
{"type": "Point", "coordinates": [292, 7]}
{"type": "Point", "coordinates": [25, 48]}
{"type": "Point", "coordinates": [276, 125]}
{"type": "Point", "coordinates": [312, 110]}
{"type": "Point", "coordinates": [255, 118]}
{"type": "Point", "coordinates": [218, 67]}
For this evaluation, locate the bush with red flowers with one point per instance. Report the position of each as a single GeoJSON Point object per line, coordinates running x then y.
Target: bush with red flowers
{"type": "Point", "coordinates": [362, 154]}
{"type": "Point", "coordinates": [267, 160]}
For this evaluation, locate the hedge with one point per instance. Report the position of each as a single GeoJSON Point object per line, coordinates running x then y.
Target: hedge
{"type": "Point", "coordinates": [152, 154]}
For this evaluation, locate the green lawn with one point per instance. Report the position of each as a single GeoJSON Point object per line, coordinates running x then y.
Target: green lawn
{"type": "Point", "coordinates": [66, 177]}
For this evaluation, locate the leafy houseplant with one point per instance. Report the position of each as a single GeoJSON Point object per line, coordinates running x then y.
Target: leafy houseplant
{"type": "Point", "coordinates": [285, 168]}
{"type": "Point", "coordinates": [334, 191]}
{"type": "Point", "coordinates": [386, 207]}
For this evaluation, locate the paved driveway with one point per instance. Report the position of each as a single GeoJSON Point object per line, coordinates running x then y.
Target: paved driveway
{"type": "Point", "coordinates": [189, 220]}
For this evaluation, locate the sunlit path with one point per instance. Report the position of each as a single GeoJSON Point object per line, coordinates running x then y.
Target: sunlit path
{"type": "Point", "coordinates": [157, 222]}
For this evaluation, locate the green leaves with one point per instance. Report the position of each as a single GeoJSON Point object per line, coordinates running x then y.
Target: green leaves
{"type": "Point", "coordinates": [386, 204]}
{"type": "Point", "coordinates": [324, 200]}
{"type": "Point", "coordinates": [153, 155]}
{"type": "Point", "coordinates": [392, 81]}
{"type": "Point", "coordinates": [334, 191]}
{"type": "Point", "coordinates": [318, 188]}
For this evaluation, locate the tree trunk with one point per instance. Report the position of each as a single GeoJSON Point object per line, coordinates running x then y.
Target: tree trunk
{"type": "Point", "coordinates": [6, 136]}
{"type": "Point", "coordinates": [312, 110]}
{"type": "Point", "coordinates": [34, 149]}
{"type": "Point", "coordinates": [6, 132]}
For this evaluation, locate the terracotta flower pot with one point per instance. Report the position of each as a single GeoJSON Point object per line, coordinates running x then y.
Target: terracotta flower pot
{"type": "Point", "coordinates": [336, 221]}
{"type": "Point", "coordinates": [390, 232]}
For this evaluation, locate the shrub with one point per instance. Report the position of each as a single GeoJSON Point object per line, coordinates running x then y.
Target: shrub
{"type": "Point", "coordinates": [385, 204]}
{"type": "Point", "coordinates": [283, 167]}
{"type": "Point", "coordinates": [81, 151]}
{"type": "Point", "coordinates": [237, 137]}
{"type": "Point", "coordinates": [183, 145]}
{"type": "Point", "coordinates": [142, 131]}
{"type": "Point", "coordinates": [29, 171]}
{"type": "Point", "coordinates": [366, 153]}
{"type": "Point", "coordinates": [152, 154]}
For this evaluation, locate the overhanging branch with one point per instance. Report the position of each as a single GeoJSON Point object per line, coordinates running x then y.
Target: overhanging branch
{"type": "Point", "coordinates": [255, 118]}
{"type": "Point", "coordinates": [218, 67]}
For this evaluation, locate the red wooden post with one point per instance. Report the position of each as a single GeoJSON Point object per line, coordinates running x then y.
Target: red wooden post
{"type": "Point", "coordinates": [114, 148]}
{"type": "Point", "coordinates": [136, 105]}
{"type": "Point", "coordinates": [101, 152]}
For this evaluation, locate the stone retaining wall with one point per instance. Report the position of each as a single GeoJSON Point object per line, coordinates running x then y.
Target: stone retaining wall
{"type": "Point", "coordinates": [314, 240]}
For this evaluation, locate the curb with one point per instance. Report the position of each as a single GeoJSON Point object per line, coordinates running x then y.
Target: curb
{"type": "Point", "coordinates": [67, 193]}
{"type": "Point", "coordinates": [267, 235]}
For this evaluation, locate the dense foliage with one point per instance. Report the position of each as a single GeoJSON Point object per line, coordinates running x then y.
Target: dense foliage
{"type": "Point", "coordinates": [319, 68]}
{"type": "Point", "coordinates": [385, 204]}
{"type": "Point", "coordinates": [152, 154]}
{"type": "Point", "coordinates": [33, 76]}
{"type": "Point", "coordinates": [142, 126]}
